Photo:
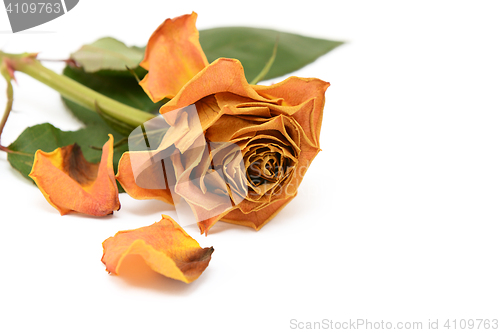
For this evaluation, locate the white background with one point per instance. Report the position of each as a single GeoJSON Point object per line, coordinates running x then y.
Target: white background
{"type": "Point", "coordinates": [396, 220]}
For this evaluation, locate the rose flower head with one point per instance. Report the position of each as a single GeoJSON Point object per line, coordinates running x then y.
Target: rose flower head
{"type": "Point", "coordinates": [233, 151]}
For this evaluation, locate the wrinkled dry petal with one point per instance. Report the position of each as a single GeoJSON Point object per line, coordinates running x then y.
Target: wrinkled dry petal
{"type": "Point", "coordinates": [257, 218]}
{"type": "Point", "coordinates": [207, 224]}
{"type": "Point", "coordinates": [153, 175]}
{"type": "Point", "coordinates": [222, 75]}
{"type": "Point", "coordinates": [70, 183]}
{"type": "Point", "coordinates": [207, 206]}
{"type": "Point", "coordinates": [164, 246]}
{"type": "Point", "coordinates": [173, 56]}
{"type": "Point", "coordinates": [306, 92]}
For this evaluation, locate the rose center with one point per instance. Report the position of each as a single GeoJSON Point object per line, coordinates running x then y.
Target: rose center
{"type": "Point", "coordinates": [264, 170]}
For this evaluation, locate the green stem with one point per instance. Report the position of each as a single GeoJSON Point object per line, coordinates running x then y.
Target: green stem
{"type": "Point", "coordinates": [74, 91]}
{"type": "Point", "coordinates": [10, 96]}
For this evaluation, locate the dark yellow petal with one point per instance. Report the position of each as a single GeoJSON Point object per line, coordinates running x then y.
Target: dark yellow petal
{"type": "Point", "coordinates": [164, 246]}
{"type": "Point", "coordinates": [70, 183]}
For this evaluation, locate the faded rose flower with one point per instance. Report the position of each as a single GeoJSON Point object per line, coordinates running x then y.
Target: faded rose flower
{"type": "Point", "coordinates": [275, 128]}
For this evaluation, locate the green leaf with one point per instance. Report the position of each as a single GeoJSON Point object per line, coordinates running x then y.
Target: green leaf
{"type": "Point", "coordinates": [48, 138]}
{"type": "Point", "coordinates": [254, 47]}
{"type": "Point", "coordinates": [108, 53]}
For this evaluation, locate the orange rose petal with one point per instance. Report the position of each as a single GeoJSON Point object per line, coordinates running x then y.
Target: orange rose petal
{"type": "Point", "coordinates": [207, 206]}
{"type": "Point", "coordinates": [208, 111]}
{"type": "Point", "coordinates": [126, 178]}
{"type": "Point", "coordinates": [207, 224]}
{"type": "Point", "coordinates": [164, 246]}
{"type": "Point", "coordinates": [223, 130]}
{"type": "Point", "coordinates": [307, 155]}
{"type": "Point", "coordinates": [222, 75]}
{"type": "Point", "coordinates": [70, 183]}
{"type": "Point", "coordinates": [173, 56]}
{"type": "Point", "coordinates": [258, 218]}
{"type": "Point", "coordinates": [295, 91]}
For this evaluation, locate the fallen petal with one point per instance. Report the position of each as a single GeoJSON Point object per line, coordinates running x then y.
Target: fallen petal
{"type": "Point", "coordinates": [71, 183]}
{"type": "Point", "coordinates": [164, 246]}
